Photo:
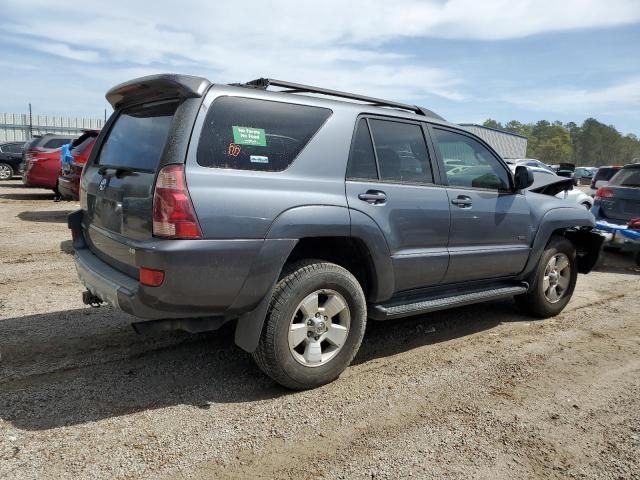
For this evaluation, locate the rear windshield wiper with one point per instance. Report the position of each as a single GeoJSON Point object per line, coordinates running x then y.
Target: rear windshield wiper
{"type": "Point", "coordinates": [119, 172]}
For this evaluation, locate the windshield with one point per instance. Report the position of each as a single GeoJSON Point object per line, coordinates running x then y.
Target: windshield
{"type": "Point", "coordinates": [627, 177]}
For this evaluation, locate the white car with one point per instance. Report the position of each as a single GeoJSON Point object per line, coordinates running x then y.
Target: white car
{"type": "Point", "coordinates": [543, 177]}
{"type": "Point", "coordinates": [527, 162]}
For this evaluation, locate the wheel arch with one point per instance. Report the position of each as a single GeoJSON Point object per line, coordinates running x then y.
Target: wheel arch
{"type": "Point", "coordinates": [574, 224]}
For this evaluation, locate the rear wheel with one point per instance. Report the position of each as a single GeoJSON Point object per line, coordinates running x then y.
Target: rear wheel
{"type": "Point", "coordinates": [6, 171]}
{"type": "Point", "coordinates": [555, 280]}
{"type": "Point", "coordinates": [314, 327]}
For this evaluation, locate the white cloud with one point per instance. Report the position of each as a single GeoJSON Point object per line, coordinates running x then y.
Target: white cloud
{"type": "Point", "coordinates": [621, 97]}
{"type": "Point", "coordinates": [62, 50]}
{"type": "Point", "coordinates": [88, 47]}
{"type": "Point", "coordinates": [334, 40]}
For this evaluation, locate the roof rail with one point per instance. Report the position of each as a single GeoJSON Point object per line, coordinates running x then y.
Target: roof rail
{"type": "Point", "coordinates": [264, 83]}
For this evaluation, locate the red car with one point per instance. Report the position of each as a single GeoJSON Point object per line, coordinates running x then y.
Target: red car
{"type": "Point", "coordinates": [42, 161]}
{"type": "Point", "coordinates": [69, 179]}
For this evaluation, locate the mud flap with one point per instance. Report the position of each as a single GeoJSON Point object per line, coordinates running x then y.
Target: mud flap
{"type": "Point", "coordinates": [249, 326]}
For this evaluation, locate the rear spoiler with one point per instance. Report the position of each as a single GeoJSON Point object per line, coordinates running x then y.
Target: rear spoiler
{"type": "Point", "coordinates": [157, 87]}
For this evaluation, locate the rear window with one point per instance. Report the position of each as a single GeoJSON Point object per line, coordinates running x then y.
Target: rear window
{"type": "Point", "coordinates": [138, 136]}
{"type": "Point", "coordinates": [32, 143]}
{"type": "Point", "coordinates": [56, 142]}
{"type": "Point", "coordinates": [250, 134]}
{"type": "Point", "coordinates": [627, 177]}
{"type": "Point", "coordinates": [606, 173]}
{"type": "Point", "coordinates": [81, 143]}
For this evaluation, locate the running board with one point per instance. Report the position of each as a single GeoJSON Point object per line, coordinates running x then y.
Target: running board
{"type": "Point", "coordinates": [418, 306]}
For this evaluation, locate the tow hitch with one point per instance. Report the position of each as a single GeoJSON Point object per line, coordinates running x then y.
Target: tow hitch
{"type": "Point", "coordinates": [89, 298]}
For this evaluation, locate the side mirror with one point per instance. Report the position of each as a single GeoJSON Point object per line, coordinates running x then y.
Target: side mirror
{"type": "Point", "coordinates": [523, 177]}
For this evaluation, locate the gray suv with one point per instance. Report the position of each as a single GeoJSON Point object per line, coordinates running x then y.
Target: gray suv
{"type": "Point", "coordinates": [301, 212]}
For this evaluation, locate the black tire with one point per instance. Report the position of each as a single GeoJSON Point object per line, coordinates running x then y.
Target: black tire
{"type": "Point", "coordinates": [6, 171]}
{"type": "Point", "coordinates": [534, 302]}
{"type": "Point", "coordinates": [273, 355]}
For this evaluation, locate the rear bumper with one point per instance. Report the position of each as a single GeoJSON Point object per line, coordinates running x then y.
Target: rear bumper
{"type": "Point", "coordinates": [68, 186]}
{"type": "Point", "coordinates": [203, 278]}
{"type": "Point", "coordinates": [39, 174]}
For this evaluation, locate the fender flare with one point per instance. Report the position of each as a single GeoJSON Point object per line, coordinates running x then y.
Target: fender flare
{"type": "Point", "coordinates": [282, 237]}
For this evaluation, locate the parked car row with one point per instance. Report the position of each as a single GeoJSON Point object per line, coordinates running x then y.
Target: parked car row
{"type": "Point", "coordinates": [50, 161]}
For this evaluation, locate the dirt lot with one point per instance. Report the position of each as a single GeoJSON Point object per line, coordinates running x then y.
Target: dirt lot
{"type": "Point", "coordinates": [488, 394]}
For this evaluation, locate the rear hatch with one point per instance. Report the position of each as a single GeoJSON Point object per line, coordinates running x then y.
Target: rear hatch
{"type": "Point", "coordinates": [117, 187]}
{"type": "Point", "coordinates": [150, 129]}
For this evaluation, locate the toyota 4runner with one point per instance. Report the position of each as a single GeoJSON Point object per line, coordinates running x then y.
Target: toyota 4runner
{"type": "Point", "coordinates": [301, 212]}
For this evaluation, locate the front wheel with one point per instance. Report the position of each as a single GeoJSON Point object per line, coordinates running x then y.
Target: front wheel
{"type": "Point", "coordinates": [6, 171]}
{"type": "Point", "coordinates": [555, 280]}
{"type": "Point", "coordinates": [314, 327]}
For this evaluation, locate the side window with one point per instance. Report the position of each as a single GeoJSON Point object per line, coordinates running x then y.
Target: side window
{"type": "Point", "coordinates": [402, 152]}
{"type": "Point", "coordinates": [11, 148]}
{"type": "Point", "coordinates": [468, 163]}
{"type": "Point", "coordinates": [250, 134]}
{"type": "Point", "coordinates": [362, 161]}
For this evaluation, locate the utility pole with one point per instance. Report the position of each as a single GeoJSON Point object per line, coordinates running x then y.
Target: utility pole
{"type": "Point", "coordinates": [30, 123]}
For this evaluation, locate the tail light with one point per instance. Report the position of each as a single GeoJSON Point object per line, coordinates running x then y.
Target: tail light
{"type": "Point", "coordinates": [604, 192]}
{"type": "Point", "coordinates": [173, 213]}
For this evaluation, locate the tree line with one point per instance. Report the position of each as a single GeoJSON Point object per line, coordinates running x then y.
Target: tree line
{"type": "Point", "coordinates": [591, 144]}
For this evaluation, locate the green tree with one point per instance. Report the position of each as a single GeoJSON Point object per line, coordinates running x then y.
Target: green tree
{"type": "Point", "coordinates": [491, 123]}
{"type": "Point", "coordinates": [591, 144]}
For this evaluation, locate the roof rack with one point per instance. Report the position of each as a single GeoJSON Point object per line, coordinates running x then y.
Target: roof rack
{"type": "Point", "coordinates": [264, 83]}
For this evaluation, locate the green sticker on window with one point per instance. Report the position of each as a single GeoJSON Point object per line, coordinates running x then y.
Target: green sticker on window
{"type": "Point", "coordinates": [249, 136]}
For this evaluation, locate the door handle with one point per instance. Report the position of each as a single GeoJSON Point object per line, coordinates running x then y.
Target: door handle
{"type": "Point", "coordinates": [374, 197]}
{"type": "Point", "coordinates": [462, 201]}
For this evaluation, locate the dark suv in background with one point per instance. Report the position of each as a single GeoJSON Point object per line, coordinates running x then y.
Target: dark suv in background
{"type": "Point", "coordinates": [619, 201]}
{"type": "Point", "coordinates": [300, 216]}
{"type": "Point", "coordinates": [10, 159]}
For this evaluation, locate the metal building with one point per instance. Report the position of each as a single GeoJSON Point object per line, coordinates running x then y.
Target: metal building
{"type": "Point", "coordinates": [507, 144]}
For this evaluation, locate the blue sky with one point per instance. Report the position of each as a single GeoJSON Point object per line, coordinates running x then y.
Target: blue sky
{"type": "Point", "coordinates": [467, 60]}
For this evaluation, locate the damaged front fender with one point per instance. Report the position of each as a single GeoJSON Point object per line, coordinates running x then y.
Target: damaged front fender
{"type": "Point", "coordinates": [588, 245]}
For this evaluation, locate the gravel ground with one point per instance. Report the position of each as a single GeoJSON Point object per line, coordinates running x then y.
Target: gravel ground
{"type": "Point", "coordinates": [487, 394]}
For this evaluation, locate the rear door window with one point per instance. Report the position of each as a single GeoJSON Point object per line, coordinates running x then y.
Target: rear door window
{"type": "Point", "coordinates": [362, 161]}
{"type": "Point", "coordinates": [401, 151]}
{"type": "Point", "coordinates": [138, 136]}
{"type": "Point", "coordinates": [249, 134]}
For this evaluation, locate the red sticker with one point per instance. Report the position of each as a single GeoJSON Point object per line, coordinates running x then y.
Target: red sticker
{"type": "Point", "coordinates": [234, 150]}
